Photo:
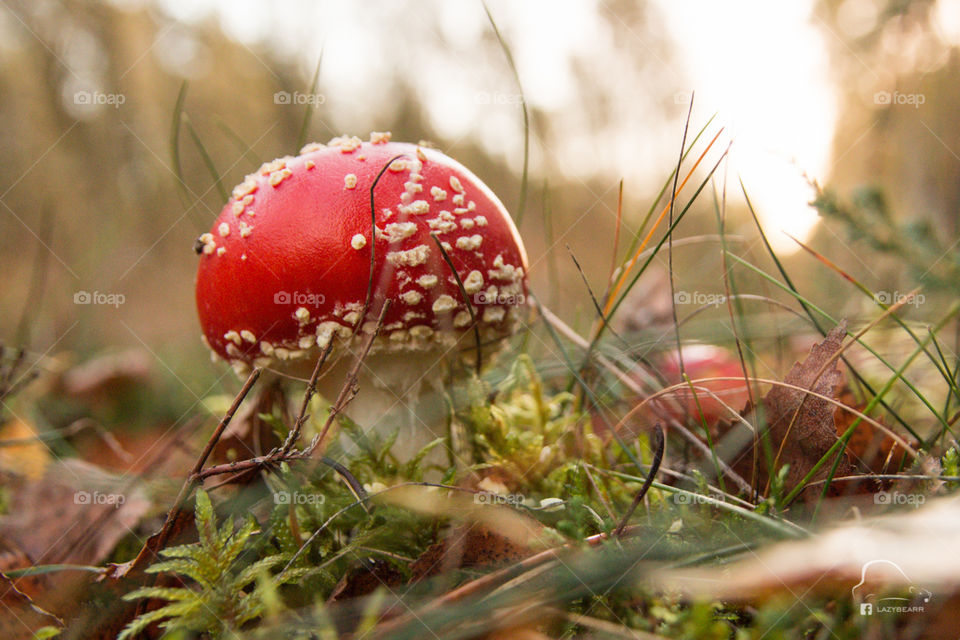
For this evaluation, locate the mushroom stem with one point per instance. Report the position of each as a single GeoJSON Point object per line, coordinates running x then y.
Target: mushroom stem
{"type": "Point", "coordinates": [391, 396]}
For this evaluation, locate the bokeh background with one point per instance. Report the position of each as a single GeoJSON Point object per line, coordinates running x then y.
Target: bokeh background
{"type": "Point", "coordinates": [859, 96]}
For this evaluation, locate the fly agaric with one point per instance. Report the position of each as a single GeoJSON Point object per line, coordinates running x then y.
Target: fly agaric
{"type": "Point", "coordinates": [286, 267]}
{"type": "Point", "coordinates": [707, 361]}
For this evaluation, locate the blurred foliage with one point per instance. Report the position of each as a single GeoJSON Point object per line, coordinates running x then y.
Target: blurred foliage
{"type": "Point", "coordinates": [896, 163]}
{"type": "Point", "coordinates": [914, 243]}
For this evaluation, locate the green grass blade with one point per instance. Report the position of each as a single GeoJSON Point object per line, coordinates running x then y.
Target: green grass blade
{"type": "Point", "coordinates": [522, 204]}
{"type": "Point", "coordinates": [207, 159]}
{"type": "Point", "coordinates": [841, 442]}
{"type": "Point", "coordinates": [308, 112]}
{"type": "Point", "coordinates": [813, 319]}
{"type": "Point", "coordinates": [870, 349]}
{"type": "Point", "coordinates": [245, 149]}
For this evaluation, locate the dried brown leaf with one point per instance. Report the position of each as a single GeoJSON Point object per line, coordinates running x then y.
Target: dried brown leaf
{"type": "Point", "coordinates": [19, 616]}
{"type": "Point", "coordinates": [800, 426]}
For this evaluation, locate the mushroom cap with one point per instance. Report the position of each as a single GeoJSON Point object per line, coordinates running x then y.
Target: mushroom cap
{"type": "Point", "coordinates": [707, 361]}
{"type": "Point", "coordinates": [286, 266]}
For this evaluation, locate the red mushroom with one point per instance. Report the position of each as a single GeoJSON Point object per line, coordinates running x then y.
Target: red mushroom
{"type": "Point", "coordinates": [286, 267]}
{"type": "Point", "coordinates": [707, 361]}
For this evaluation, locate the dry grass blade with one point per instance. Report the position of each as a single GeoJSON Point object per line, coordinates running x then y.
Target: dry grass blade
{"type": "Point", "coordinates": [207, 159]}
{"type": "Point", "coordinates": [308, 112]}
{"type": "Point", "coordinates": [490, 581]}
{"type": "Point", "coordinates": [646, 240]}
{"type": "Point", "coordinates": [521, 205]}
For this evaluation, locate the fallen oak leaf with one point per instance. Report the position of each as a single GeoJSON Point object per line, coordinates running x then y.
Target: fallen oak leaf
{"type": "Point", "coordinates": [800, 426]}
{"type": "Point", "coordinates": [20, 618]}
{"type": "Point", "coordinates": [75, 515]}
{"type": "Point", "coordinates": [182, 523]}
{"type": "Point", "coordinates": [868, 446]}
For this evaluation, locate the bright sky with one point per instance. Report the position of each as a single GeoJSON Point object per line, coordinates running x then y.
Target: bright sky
{"type": "Point", "coordinates": [763, 67]}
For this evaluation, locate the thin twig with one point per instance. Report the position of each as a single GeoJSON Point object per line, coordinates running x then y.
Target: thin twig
{"type": "Point", "coordinates": [466, 299]}
{"type": "Point", "coordinates": [287, 453]}
{"type": "Point", "coordinates": [593, 298]}
{"type": "Point", "coordinates": [658, 448]}
{"type": "Point", "coordinates": [294, 434]}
